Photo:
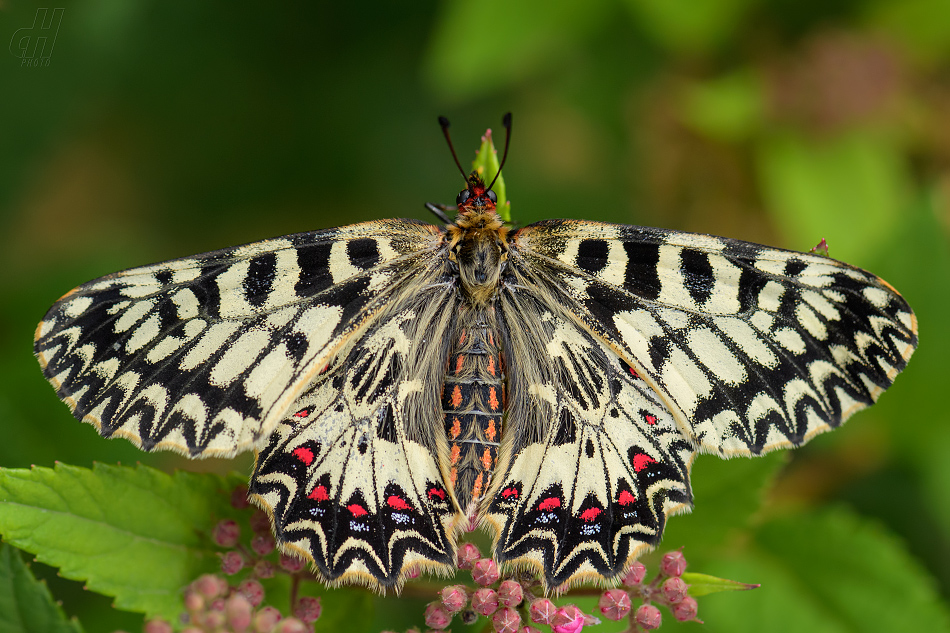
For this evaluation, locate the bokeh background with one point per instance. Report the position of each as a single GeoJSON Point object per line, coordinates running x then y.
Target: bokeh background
{"type": "Point", "coordinates": [153, 130]}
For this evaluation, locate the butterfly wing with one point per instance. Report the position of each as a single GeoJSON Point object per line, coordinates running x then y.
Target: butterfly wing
{"type": "Point", "coordinates": [593, 460]}
{"type": "Point", "coordinates": [204, 355]}
{"type": "Point", "coordinates": [751, 348]}
{"type": "Point", "coordinates": [353, 477]}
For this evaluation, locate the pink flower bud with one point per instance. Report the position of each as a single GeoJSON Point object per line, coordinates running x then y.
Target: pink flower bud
{"type": "Point", "coordinates": [308, 609]}
{"type": "Point", "coordinates": [263, 544]}
{"type": "Point", "coordinates": [674, 590]}
{"type": "Point", "coordinates": [266, 619]}
{"type": "Point", "coordinates": [635, 574]}
{"type": "Point", "coordinates": [212, 620]}
{"type": "Point", "coordinates": [227, 533]}
{"type": "Point", "coordinates": [467, 555]}
{"type": "Point", "coordinates": [510, 593]}
{"type": "Point", "coordinates": [239, 498]}
{"type": "Point", "coordinates": [210, 586]}
{"type": "Point", "coordinates": [648, 617]}
{"type": "Point", "coordinates": [528, 629]}
{"type": "Point", "coordinates": [437, 616]}
{"type": "Point", "coordinates": [232, 562]}
{"type": "Point", "coordinates": [506, 620]}
{"type": "Point", "coordinates": [454, 598]}
{"type": "Point", "coordinates": [685, 609]}
{"type": "Point", "coordinates": [157, 626]}
{"type": "Point", "coordinates": [485, 601]}
{"type": "Point", "coordinates": [192, 629]}
{"type": "Point", "coordinates": [673, 564]}
{"type": "Point", "coordinates": [568, 619]}
{"type": "Point", "coordinates": [291, 625]}
{"type": "Point", "coordinates": [412, 573]}
{"type": "Point", "coordinates": [253, 591]}
{"type": "Point", "coordinates": [485, 572]}
{"type": "Point", "coordinates": [542, 611]}
{"type": "Point", "coordinates": [238, 611]}
{"type": "Point", "coordinates": [614, 604]}
{"type": "Point", "coordinates": [217, 604]}
{"type": "Point", "coordinates": [292, 564]}
{"type": "Point", "coordinates": [264, 569]}
{"type": "Point", "coordinates": [194, 601]}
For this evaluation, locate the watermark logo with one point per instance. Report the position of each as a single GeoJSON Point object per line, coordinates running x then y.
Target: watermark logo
{"type": "Point", "coordinates": [34, 44]}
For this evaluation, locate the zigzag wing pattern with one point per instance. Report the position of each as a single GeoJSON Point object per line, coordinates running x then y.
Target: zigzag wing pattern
{"type": "Point", "coordinates": [593, 461]}
{"type": "Point", "coordinates": [752, 348]}
{"type": "Point", "coordinates": [353, 478]}
{"type": "Point", "coordinates": [203, 355]}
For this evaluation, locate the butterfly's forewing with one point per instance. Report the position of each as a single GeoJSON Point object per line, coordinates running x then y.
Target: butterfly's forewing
{"type": "Point", "coordinates": [593, 462]}
{"type": "Point", "coordinates": [752, 348]}
{"type": "Point", "coordinates": [353, 477]}
{"type": "Point", "coordinates": [204, 355]}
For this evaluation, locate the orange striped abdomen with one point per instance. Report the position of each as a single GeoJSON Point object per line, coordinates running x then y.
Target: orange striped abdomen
{"type": "Point", "coordinates": [473, 401]}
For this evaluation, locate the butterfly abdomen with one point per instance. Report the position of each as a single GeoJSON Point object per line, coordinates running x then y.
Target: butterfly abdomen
{"type": "Point", "coordinates": [473, 402]}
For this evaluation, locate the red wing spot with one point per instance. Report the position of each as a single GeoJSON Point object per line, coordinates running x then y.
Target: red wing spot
{"type": "Point", "coordinates": [302, 413]}
{"type": "Point", "coordinates": [549, 504]}
{"type": "Point", "coordinates": [651, 419]}
{"type": "Point", "coordinates": [437, 492]}
{"type": "Point", "coordinates": [626, 498]}
{"type": "Point", "coordinates": [357, 510]}
{"type": "Point", "coordinates": [304, 454]}
{"type": "Point", "coordinates": [325, 368]}
{"type": "Point", "coordinates": [396, 503]}
{"type": "Point", "coordinates": [509, 492]}
{"type": "Point", "coordinates": [633, 372]}
{"type": "Point", "coordinates": [641, 461]}
{"type": "Point", "coordinates": [319, 494]}
{"type": "Point", "coordinates": [590, 514]}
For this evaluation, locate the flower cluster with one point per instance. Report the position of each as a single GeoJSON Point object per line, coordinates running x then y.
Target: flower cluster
{"type": "Point", "coordinates": [223, 604]}
{"type": "Point", "coordinates": [516, 604]}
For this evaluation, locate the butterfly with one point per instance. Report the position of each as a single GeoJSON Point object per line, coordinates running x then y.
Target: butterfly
{"type": "Point", "coordinates": [403, 381]}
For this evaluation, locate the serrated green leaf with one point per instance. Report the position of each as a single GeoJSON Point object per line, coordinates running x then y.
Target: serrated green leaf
{"type": "Point", "coordinates": [704, 584]}
{"type": "Point", "coordinates": [26, 605]}
{"type": "Point", "coordinates": [486, 163]}
{"type": "Point", "coordinates": [134, 533]}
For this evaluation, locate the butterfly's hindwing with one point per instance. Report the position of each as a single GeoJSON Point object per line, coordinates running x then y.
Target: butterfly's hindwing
{"type": "Point", "coordinates": [354, 478]}
{"type": "Point", "coordinates": [596, 466]}
{"type": "Point", "coordinates": [752, 348]}
{"type": "Point", "coordinates": [201, 354]}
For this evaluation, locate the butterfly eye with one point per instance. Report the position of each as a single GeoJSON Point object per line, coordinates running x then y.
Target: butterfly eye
{"type": "Point", "coordinates": [491, 196]}
{"type": "Point", "coordinates": [462, 197]}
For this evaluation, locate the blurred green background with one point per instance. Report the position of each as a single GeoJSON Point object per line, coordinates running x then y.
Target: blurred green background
{"type": "Point", "coordinates": [155, 130]}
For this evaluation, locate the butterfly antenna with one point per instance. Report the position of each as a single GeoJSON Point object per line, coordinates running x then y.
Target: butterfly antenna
{"type": "Point", "coordinates": [445, 130]}
{"type": "Point", "coordinates": [506, 121]}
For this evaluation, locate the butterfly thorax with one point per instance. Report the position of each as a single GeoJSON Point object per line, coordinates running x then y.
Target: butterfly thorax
{"type": "Point", "coordinates": [477, 244]}
{"type": "Point", "coordinates": [473, 400]}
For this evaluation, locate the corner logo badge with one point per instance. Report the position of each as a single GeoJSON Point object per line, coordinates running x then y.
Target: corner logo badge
{"type": "Point", "coordinates": [34, 44]}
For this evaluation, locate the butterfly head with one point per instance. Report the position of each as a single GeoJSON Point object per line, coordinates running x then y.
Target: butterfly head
{"type": "Point", "coordinates": [476, 196]}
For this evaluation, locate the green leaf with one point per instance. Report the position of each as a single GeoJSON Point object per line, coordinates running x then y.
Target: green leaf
{"type": "Point", "coordinates": [26, 605]}
{"type": "Point", "coordinates": [704, 584]}
{"type": "Point", "coordinates": [134, 533]}
{"type": "Point", "coordinates": [486, 163]}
